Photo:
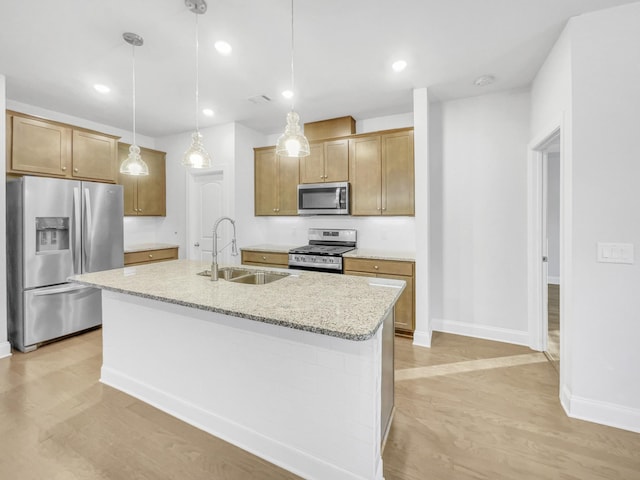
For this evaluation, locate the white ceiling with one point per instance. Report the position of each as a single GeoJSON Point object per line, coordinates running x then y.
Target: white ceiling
{"type": "Point", "coordinates": [52, 52]}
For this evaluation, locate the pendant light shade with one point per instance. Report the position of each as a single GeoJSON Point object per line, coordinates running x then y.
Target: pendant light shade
{"type": "Point", "coordinates": [196, 155]}
{"type": "Point", "coordinates": [134, 164]}
{"type": "Point", "coordinates": [292, 143]}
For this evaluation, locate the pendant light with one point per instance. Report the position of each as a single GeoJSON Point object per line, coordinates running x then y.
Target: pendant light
{"type": "Point", "coordinates": [134, 164]}
{"type": "Point", "coordinates": [292, 143]}
{"type": "Point", "coordinates": [196, 155]}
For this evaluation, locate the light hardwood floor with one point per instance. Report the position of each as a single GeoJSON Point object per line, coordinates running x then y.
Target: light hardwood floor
{"type": "Point", "coordinates": [553, 338]}
{"type": "Point", "coordinates": [465, 409]}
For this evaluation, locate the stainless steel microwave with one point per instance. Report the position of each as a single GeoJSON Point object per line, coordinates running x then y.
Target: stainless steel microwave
{"type": "Point", "coordinates": [323, 198]}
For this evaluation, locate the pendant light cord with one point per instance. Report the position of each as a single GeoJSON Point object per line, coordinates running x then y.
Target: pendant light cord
{"type": "Point", "coordinates": [197, 72]}
{"type": "Point", "coordinates": [133, 62]}
{"type": "Point", "coordinates": [292, 50]}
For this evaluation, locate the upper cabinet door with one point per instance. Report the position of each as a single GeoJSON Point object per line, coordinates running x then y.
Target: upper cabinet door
{"type": "Point", "coordinates": [40, 147]}
{"type": "Point", "coordinates": [364, 174]}
{"type": "Point", "coordinates": [398, 179]}
{"type": "Point", "coordinates": [288, 178]}
{"type": "Point", "coordinates": [336, 160]}
{"type": "Point", "coordinates": [94, 156]}
{"type": "Point", "coordinates": [312, 166]}
{"type": "Point", "coordinates": [151, 194]}
{"type": "Point", "coordinates": [266, 182]}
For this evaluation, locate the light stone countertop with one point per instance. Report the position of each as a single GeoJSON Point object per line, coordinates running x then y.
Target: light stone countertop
{"type": "Point", "coordinates": [143, 247]}
{"type": "Point", "coordinates": [381, 255]}
{"type": "Point", "coordinates": [267, 248]}
{"type": "Point", "coordinates": [342, 306]}
{"type": "Point", "coordinates": [357, 253]}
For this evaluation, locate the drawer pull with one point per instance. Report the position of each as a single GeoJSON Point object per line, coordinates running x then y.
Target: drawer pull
{"type": "Point", "coordinates": [376, 267]}
{"type": "Point", "coordinates": [264, 258]}
{"type": "Point", "coordinates": [150, 256]}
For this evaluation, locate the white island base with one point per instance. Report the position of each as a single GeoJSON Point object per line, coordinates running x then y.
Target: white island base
{"type": "Point", "coordinates": [307, 402]}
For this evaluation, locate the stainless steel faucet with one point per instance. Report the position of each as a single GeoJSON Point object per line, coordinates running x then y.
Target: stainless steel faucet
{"type": "Point", "coordinates": [234, 248]}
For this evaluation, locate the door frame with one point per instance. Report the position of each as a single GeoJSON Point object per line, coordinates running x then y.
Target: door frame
{"type": "Point", "coordinates": [536, 203]}
{"type": "Point", "coordinates": [192, 175]}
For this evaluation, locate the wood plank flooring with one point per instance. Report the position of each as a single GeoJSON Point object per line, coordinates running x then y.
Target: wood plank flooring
{"type": "Point", "coordinates": [553, 338]}
{"type": "Point", "coordinates": [465, 409]}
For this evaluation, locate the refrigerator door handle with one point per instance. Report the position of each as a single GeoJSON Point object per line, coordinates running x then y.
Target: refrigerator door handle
{"type": "Point", "coordinates": [88, 227]}
{"type": "Point", "coordinates": [76, 235]}
{"type": "Point", "coordinates": [61, 289]}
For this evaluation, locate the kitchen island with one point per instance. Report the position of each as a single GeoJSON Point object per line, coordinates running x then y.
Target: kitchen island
{"type": "Point", "coordinates": [298, 371]}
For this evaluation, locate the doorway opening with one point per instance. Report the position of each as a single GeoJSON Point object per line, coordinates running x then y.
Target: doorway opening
{"type": "Point", "coordinates": [545, 244]}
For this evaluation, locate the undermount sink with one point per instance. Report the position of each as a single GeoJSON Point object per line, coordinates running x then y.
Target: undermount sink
{"type": "Point", "coordinates": [248, 277]}
{"type": "Point", "coordinates": [259, 278]}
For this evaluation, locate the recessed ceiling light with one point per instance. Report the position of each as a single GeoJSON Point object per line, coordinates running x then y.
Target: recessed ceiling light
{"type": "Point", "coordinates": [484, 80]}
{"type": "Point", "coordinates": [223, 47]}
{"type": "Point", "coordinates": [287, 94]}
{"type": "Point", "coordinates": [101, 88]}
{"type": "Point", "coordinates": [208, 112]}
{"type": "Point", "coordinates": [399, 65]}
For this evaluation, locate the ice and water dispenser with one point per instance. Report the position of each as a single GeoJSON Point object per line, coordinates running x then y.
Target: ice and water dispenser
{"type": "Point", "coordinates": [52, 234]}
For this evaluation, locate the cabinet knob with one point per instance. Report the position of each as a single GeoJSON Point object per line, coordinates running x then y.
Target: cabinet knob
{"type": "Point", "coordinates": [274, 210]}
{"type": "Point", "coordinates": [150, 256]}
{"type": "Point", "coordinates": [64, 169]}
{"type": "Point", "coordinates": [376, 267]}
{"type": "Point", "coordinates": [140, 210]}
{"type": "Point", "coordinates": [264, 257]}
{"type": "Point", "coordinates": [321, 176]}
{"type": "Point", "coordinates": [75, 170]}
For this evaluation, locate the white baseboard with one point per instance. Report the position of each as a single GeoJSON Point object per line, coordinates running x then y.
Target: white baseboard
{"type": "Point", "coordinates": [422, 339]}
{"type": "Point", "coordinates": [553, 280]}
{"type": "Point", "coordinates": [285, 456]}
{"type": "Point", "coordinates": [604, 413]}
{"type": "Point", "coordinates": [5, 349]}
{"type": "Point", "coordinates": [486, 332]}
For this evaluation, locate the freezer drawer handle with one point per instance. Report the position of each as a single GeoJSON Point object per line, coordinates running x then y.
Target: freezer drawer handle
{"type": "Point", "coordinates": [64, 289]}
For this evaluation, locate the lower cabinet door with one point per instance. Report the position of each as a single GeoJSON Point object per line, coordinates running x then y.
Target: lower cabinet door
{"type": "Point", "coordinates": [404, 316]}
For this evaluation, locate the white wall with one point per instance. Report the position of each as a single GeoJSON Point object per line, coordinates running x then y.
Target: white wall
{"type": "Point", "coordinates": [553, 216]}
{"type": "Point", "coordinates": [478, 216]}
{"type": "Point", "coordinates": [5, 347]}
{"type": "Point", "coordinates": [589, 80]}
{"type": "Point", "coordinates": [606, 299]}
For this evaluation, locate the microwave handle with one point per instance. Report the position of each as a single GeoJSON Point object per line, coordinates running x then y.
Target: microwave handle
{"type": "Point", "coordinates": [338, 197]}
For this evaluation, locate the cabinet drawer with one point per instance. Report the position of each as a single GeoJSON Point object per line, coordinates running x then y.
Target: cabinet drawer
{"type": "Point", "coordinates": [378, 266]}
{"type": "Point", "coordinates": [149, 256]}
{"type": "Point", "coordinates": [253, 257]}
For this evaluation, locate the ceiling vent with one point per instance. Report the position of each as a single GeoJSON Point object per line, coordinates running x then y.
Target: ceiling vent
{"type": "Point", "coordinates": [259, 99]}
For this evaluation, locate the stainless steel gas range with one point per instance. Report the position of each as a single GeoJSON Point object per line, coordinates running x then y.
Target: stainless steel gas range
{"type": "Point", "coordinates": [325, 250]}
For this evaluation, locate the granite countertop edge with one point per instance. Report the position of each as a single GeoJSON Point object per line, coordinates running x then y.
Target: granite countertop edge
{"type": "Point", "coordinates": [350, 331]}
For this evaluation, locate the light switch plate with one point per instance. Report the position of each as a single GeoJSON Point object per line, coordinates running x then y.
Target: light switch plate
{"type": "Point", "coordinates": [615, 253]}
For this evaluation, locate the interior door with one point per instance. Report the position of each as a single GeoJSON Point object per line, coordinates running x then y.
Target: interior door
{"type": "Point", "coordinates": [207, 203]}
{"type": "Point", "coordinates": [545, 249]}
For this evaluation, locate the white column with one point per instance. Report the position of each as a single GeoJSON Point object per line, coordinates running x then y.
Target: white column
{"type": "Point", "coordinates": [5, 348]}
{"type": "Point", "coordinates": [422, 334]}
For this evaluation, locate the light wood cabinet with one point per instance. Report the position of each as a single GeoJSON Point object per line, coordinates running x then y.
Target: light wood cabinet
{"type": "Point", "coordinates": [144, 195]}
{"type": "Point", "coordinates": [37, 146]}
{"type": "Point", "coordinates": [94, 156]}
{"type": "Point", "coordinates": [396, 270]}
{"type": "Point", "coordinates": [276, 183]}
{"type": "Point", "coordinates": [150, 256]}
{"type": "Point", "coordinates": [328, 162]}
{"type": "Point", "coordinates": [381, 172]}
{"type": "Point", "coordinates": [265, 259]}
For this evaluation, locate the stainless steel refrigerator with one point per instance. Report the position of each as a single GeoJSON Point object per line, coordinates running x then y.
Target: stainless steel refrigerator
{"type": "Point", "coordinates": [55, 229]}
